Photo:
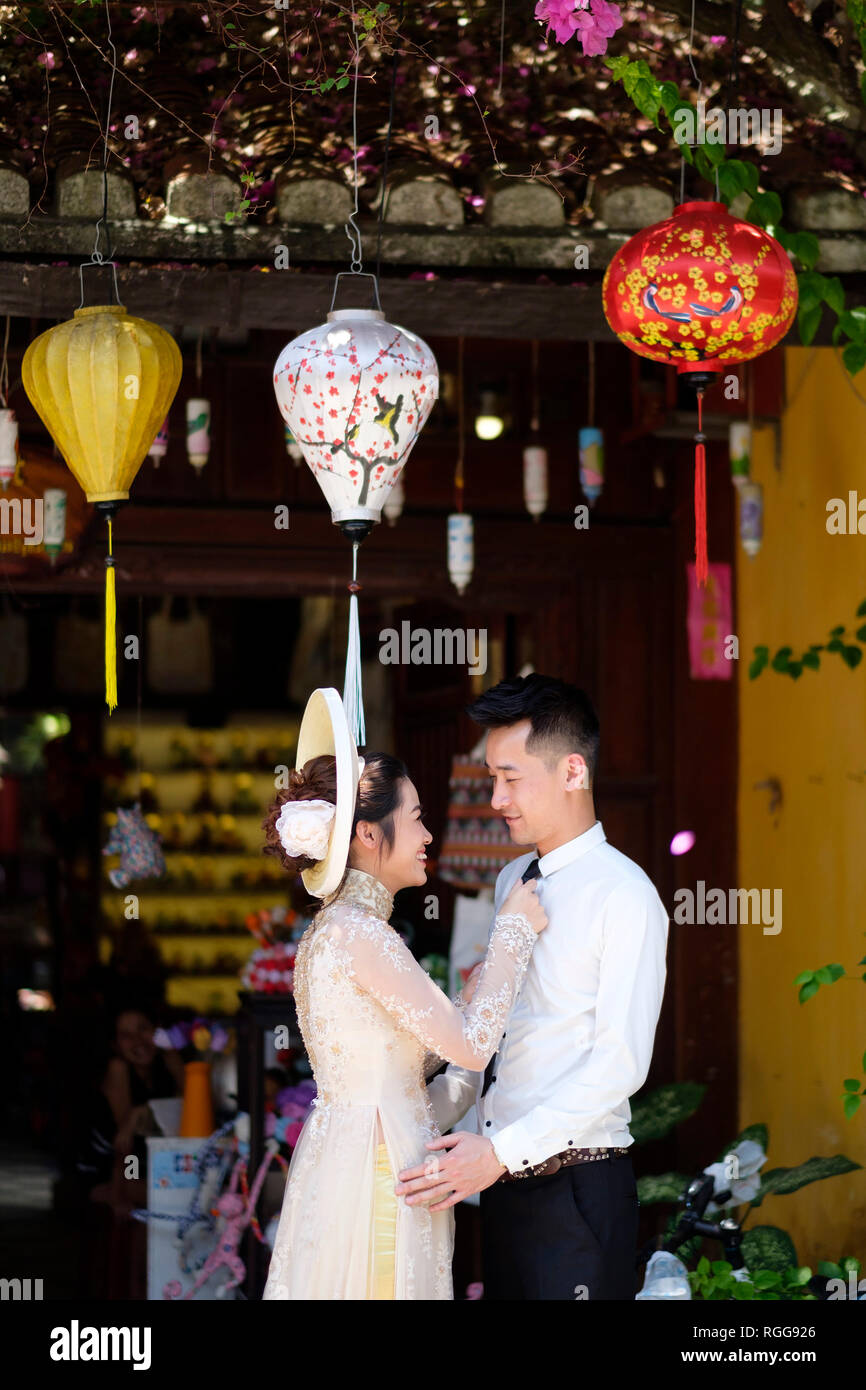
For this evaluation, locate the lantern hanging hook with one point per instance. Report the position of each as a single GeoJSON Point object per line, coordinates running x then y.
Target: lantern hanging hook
{"type": "Point", "coordinates": [352, 230]}
{"type": "Point", "coordinates": [98, 261]}
{"type": "Point", "coordinates": [700, 85]}
{"type": "Point", "coordinates": [362, 274]}
{"type": "Point", "coordinates": [96, 256]}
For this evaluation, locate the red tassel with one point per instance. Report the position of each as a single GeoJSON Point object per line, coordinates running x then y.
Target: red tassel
{"type": "Point", "coordinates": [701, 569]}
{"type": "Point", "coordinates": [701, 560]}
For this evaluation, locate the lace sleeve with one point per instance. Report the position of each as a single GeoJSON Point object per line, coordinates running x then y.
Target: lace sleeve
{"type": "Point", "coordinates": [382, 965]}
{"type": "Point", "coordinates": [432, 1060]}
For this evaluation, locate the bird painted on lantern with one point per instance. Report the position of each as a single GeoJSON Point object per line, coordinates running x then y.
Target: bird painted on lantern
{"type": "Point", "coordinates": [388, 416]}
{"type": "Point", "coordinates": [734, 300]}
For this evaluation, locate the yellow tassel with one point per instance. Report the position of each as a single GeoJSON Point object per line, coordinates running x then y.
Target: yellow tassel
{"type": "Point", "coordinates": [110, 629]}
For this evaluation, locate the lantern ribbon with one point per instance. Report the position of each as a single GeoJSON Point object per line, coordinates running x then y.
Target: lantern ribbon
{"type": "Point", "coordinates": [353, 696]}
{"type": "Point", "coordinates": [701, 562]}
{"type": "Point", "coordinates": [110, 628]}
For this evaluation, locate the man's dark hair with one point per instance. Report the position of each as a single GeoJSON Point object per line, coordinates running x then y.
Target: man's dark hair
{"type": "Point", "coordinates": [563, 718]}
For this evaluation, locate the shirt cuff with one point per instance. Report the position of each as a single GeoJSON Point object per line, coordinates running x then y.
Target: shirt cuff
{"type": "Point", "coordinates": [515, 1147]}
{"type": "Point", "coordinates": [511, 1148]}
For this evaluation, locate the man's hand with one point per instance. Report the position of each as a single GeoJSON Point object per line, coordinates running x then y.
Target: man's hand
{"type": "Point", "coordinates": [443, 1180]}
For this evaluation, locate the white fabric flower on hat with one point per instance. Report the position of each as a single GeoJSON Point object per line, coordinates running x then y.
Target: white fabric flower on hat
{"type": "Point", "coordinates": [304, 828]}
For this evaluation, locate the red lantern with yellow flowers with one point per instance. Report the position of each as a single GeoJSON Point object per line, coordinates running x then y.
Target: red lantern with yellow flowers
{"type": "Point", "coordinates": [701, 291]}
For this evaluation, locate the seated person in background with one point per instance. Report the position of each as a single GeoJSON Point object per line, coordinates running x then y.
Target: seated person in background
{"type": "Point", "coordinates": [138, 1072]}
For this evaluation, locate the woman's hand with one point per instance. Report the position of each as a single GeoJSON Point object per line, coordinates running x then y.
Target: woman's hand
{"type": "Point", "coordinates": [523, 898]}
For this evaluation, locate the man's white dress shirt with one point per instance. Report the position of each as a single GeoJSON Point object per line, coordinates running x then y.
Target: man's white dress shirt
{"type": "Point", "coordinates": [579, 1039]}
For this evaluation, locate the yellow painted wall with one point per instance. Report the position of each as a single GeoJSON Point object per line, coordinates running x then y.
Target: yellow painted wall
{"type": "Point", "coordinates": [811, 735]}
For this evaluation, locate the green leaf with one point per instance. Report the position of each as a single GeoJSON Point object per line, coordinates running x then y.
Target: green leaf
{"type": "Point", "coordinates": [850, 1106]}
{"type": "Point", "coordinates": [783, 1180]}
{"type": "Point", "coordinates": [861, 633]}
{"type": "Point", "coordinates": [803, 976]}
{"type": "Point", "coordinates": [809, 988]}
{"type": "Point", "coordinates": [834, 294]}
{"type": "Point", "coordinates": [851, 1084]}
{"type": "Point", "coordinates": [854, 358]}
{"type": "Point", "coordinates": [794, 669]}
{"type": "Point", "coordinates": [655, 1114]}
{"type": "Point", "coordinates": [703, 163]}
{"type": "Point", "coordinates": [837, 631]}
{"type": "Point", "coordinates": [861, 611]}
{"type": "Point", "coordinates": [853, 322]}
{"type": "Point", "coordinates": [834, 646]}
{"type": "Point", "coordinates": [730, 181]}
{"type": "Point", "coordinates": [757, 665]}
{"type": "Point", "coordinates": [780, 660]}
{"type": "Point", "coordinates": [828, 974]}
{"type": "Point", "coordinates": [662, 1187]}
{"type": "Point", "coordinates": [765, 210]}
{"type": "Point", "coordinates": [768, 1248]}
{"type": "Point", "coordinates": [618, 66]}
{"type": "Point", "coordinates": [811, 659]}
{"type": "Point", "coordinates": [807, 322]}
{"type": "Point", "coordinates": [828, 1270]}
{"type": "Point", "coordinates": [852, 656]}
{"type": "Point", "coordinates": [803, 245]}
{"type": "Point", "coordinates": [810, 289]}
{"type": "Point", "coordinates": [341, 83]}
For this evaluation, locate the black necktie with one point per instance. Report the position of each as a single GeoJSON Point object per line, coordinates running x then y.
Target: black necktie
{"type": "Point", "coordinates": [531, 871]}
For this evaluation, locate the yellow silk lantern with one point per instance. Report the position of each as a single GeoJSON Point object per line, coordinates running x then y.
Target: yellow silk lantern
{"type": "Point", "coordinates": [102, 383]}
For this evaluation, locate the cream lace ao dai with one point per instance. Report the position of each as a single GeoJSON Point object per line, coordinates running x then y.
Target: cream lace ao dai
{"type": "Point", "coordinates": [375, 1026]}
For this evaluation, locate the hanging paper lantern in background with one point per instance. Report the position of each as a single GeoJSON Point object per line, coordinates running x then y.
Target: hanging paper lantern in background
{"type": "Point", "coordinates": [591, 445]}
{"type": "Point", "coordinates": [461, 549]}
{"type": "Point", "coordinates": [535, 480]}
{"type": "Point", "coordinates": [292, 447]}
{"type": "Point", "coordinates": [8, 447]}
{"type": "Point", "coordinates": [740, 447]}
{"type": "Point", "coordinates": [159, 447]}
{"type": "Point", "coordinates": [198, 431]}
{"type": "Point", "coordinates": [101, 383]}
{"type": "Point", "coordinates": [393, 507]}
{"type": "Point", "coordinates": [751, 517]}
{"type": "Point", "coordinates": [701, 291]}
{"type": "Point", "coordinates": [54, 521]}
{"type": "Point", "coordinates": [355, 392]}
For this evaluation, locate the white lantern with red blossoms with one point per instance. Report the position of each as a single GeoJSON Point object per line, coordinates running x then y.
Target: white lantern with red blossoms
{"type": "Point", "coordinates": [356, 392]}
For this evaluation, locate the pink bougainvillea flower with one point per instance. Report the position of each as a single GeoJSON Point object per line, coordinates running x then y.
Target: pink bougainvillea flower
{"type": "Point", "coordinates": [560, 16]}
{"type": "Point", "coordinates": [597, 25]}
{"type": "Point", "coordinates": [593, 21]}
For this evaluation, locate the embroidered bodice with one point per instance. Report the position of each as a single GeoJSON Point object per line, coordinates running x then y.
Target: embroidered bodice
{"type": "Point", "coordinates": [372, 1019]}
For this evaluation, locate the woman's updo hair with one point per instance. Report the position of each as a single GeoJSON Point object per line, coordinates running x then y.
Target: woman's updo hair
{"type": "Point", "coordinates": [379, 792]}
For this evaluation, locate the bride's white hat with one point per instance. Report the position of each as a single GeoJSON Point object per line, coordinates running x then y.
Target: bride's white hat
{"type": "Point", "coordinates": [325, 730]}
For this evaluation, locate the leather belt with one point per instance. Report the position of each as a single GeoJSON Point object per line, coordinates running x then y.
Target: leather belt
{"type": "Point", "coordinates": [562, 1160]}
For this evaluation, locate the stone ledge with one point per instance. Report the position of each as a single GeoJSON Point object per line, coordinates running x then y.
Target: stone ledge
{"type": "Point", "coordinates": [476, 248]}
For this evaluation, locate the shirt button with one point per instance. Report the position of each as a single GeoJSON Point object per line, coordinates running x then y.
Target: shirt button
{"type": "Point", "coordinates": [526, 1160]}
{"type": "Point", "coordinates": [488, 1123]}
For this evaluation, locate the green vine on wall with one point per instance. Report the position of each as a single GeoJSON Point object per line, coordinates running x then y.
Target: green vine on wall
{"type": "Point", "coordinates": [808, 983]}
{"type": "Point", "coordinates": [788, 665]}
